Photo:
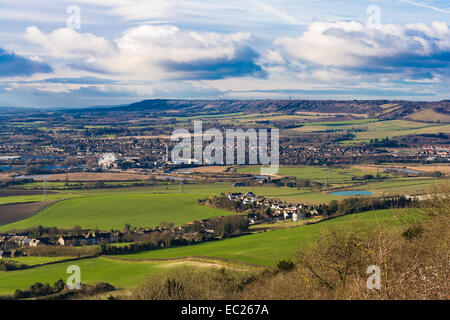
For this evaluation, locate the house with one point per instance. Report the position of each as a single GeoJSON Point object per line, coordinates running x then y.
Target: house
{"type": "Point", "coordinates": [20, 240]}
{"type": "Point", "coordinates": [240, 184]}
{"type": "Point", "coordinates": [262, 179]}
{"type": "Point", "coordinates": [69, 240]}
{"type": "Point", "coordinates": [61, 241]}
{"type": "Point", "coordinates": [234, 196]}
{"type": "Point", "coordinates": [34, 243]}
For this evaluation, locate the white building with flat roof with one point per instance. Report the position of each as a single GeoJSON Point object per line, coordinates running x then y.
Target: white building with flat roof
{"type": "Point", "coordinates": [108, 160]}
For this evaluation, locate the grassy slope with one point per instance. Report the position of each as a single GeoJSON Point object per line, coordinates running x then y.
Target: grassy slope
{"type": "Point", "coordinates": [269, 247]}
{"type": "Point", "coordinates": [118, 273]}
{"type": "Point", "coordinates": [32, 198]}
{"type": "Point", "coordinates": [148, 206]}
{"type": "Point", "coordinates": [376, 129]}
{"type": "Point", "coordinates": [263, 248]}
{"type": "Point", "coordinates": [32, 261]}
{"type": "Point", "coordinates": [115, 210]}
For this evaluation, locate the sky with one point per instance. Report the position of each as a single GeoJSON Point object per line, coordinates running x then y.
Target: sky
{"type": "Point", "coordinates": [68, 53]}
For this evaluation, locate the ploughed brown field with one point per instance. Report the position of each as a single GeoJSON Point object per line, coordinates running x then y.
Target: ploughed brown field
{"type": "Point", "coordinates": [17, 211]}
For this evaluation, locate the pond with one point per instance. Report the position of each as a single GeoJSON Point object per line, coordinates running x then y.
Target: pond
{"type": "Point", "coordinates": [402, 170]}
{"type": "Point", "coordinates": [352, 193]}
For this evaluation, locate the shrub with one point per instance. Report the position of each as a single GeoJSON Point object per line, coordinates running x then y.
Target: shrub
{"type": "Point", "coordinates": [190, 283]}
{"type": "Point", "coordinates": [414, 231]}
{"type": "Point", "coordinates": [285, 265]}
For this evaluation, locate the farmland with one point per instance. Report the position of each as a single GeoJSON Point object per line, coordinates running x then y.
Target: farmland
{"type": "Point", "coordinates": [13, 212]}
{"type": "Point", "coordinates": [336, 175]}
{"type": "Point", "coordinates": [264, 248]}
{"type": "Point", "coordinates": [267, 248]}
{"type": "Point", "coordinates": [342, 177]}
{"type": "Point", "coordinates": [53, 177]}
{"type": "Point", "coordinates": [114, 211]}
{"type": "Point", "coordinates": [118, 273]}
{"type": "Point", "coordinates": [373, 128]}
{"type": "Point", "coordinates": [148, 206]}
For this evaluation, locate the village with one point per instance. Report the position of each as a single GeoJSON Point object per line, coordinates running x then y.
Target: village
{"type": "Point", "coordinates": [195, 231]}
{"type": "Point", "coordinates": [166, 234]}
{"type": "Point", "coordinates": [279, 210]}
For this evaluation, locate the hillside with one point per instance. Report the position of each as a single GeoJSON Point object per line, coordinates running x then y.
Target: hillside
{"type": "Point", "coordinates": [383, 109]}
{"type": "Point", "coordinates": [431, 115]}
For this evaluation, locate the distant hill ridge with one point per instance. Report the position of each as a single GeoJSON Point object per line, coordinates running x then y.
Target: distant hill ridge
{"type": "Point", "coordinates": [399, 109]}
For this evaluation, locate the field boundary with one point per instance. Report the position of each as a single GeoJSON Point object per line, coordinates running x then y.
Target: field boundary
{"type": "Point", "coordinates": [42, 209]}
{"type": "Point", "coordinates": [49, 203]}
{"type": "Point", "coordinates": [45, 208]}
{"type": "Point", "coordinates": [51, 262]}
{"type": "Point", "coordinates": [193, 258]}
{"type": "Point", "coordinates": [35, 213]}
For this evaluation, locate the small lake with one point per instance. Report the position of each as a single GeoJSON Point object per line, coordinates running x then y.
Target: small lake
{"type": "Point", "coordinates": [352, 193]}
{"type": "Point", "coordinates": [402, 170]}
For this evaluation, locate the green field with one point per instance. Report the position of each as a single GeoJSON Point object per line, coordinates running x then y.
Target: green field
{"type": "Point", "coordinates": [119, 273]}
{"type": "Point", "coordinates": [115, 210]}
{"type": "Point", "coordinates": [33, 198]}
{"type": "Point", "coordinates": [375, 128]}
{"type": "Point", "coordinates": [401, 186]}
{"type": "Point", "coordinates": [32, 261]}
{"type": "Point", "coordinates": [267, 248]}
{"type": "Point", "coordinates": [336, 175]}
{"type": "Point", "coordinates": [342, 178]}
{"type": "Point", "coordinates": [148, 206]}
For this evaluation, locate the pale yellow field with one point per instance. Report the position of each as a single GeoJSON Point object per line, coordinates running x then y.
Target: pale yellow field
{"type": "Point", "coordinates": [424, 168]}
{"type": "Point", "coordinates": [388, 105]}
{"type": "Point", "coordinates": [430, 115]}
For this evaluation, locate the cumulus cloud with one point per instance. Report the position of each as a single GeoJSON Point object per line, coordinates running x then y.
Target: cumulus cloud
{"type": "Point", "coordinates": [155, 52]}
{"type": "Point", "coordinates": [189, 55]}
{"type": "Point", "coordinates": [68, 43]}
{"type": "Point", "coordinates": [381, 49]}
{"type": "Point", "coordinates": [12, 64]}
